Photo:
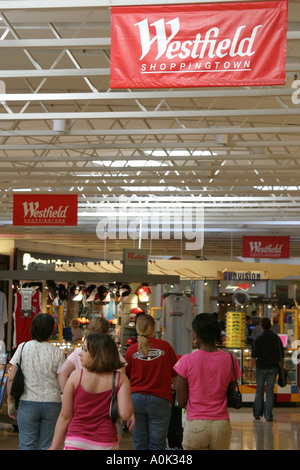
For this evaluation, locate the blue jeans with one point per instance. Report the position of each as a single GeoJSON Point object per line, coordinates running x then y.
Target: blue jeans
{"type": "Point", "coordinates": [268, 377]}
{"type": "Point", "coordinates": [36, 423]}
{"type": "Point", "coordinates": [152, 419]}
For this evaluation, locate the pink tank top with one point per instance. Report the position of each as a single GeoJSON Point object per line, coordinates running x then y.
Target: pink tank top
{"type": "Point", "coordinates": [91, 415]}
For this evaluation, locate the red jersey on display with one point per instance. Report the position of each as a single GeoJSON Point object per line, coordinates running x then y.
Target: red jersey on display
{"type": "Point", "coordinates": [152, 375]}
{"type": "Point", "coordinates": [22, 324]}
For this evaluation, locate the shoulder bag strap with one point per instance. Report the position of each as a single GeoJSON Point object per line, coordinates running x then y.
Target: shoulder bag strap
{"type": "Point", "coordinates": [280, 352]}
{"type": "Point", "coordinates": [21, 354]}
{"type": "Point", "coordinates": [114, 380]}
{"type": "Point", "coordinates": [119, 378]}
{"type": "Point", "coordinates": [236, 382]}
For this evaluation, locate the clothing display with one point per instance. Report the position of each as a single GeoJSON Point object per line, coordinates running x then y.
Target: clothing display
{"type": "Point", "coordinates": [23, 318]}
{"type": "Point", "coordinates": [3, 314]}
{"type": "Point", "coordinates": [177, 323]}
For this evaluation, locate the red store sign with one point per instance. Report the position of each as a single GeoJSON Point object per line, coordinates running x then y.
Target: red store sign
{"type": "Point", "coordinates": [266, 247]}
{"type": "Point", "coordinates": [199, 45]}
{"type": "Point", "coordinates": [45, 209]}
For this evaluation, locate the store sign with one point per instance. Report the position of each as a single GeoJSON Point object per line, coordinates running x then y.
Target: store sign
{"type": "Point", "coordinates": [241, 276]}
{"type": "Point", "coordinates": [266, 247]}
{"type": "Point", "coordinates": [45, 209]}
{"type": "Point", "coordinates": [249, 287]}
{"type": "Point", "coordinates": [135, 261]}
{"type": "Point", "coordinates": [197, 45]}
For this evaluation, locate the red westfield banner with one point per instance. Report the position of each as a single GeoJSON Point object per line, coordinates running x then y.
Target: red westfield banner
{"type": "Point", "coordinates": [45, 209]}
{"type": "Point", "coordinates": [198, 45]}
{"type": "Point", "coordinates": [266, 247]}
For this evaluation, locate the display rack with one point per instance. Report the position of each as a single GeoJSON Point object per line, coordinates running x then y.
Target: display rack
{"type": "Point", "coordinates": [289, 325]}
{"type": "Point", "coordinates": [235, 329]}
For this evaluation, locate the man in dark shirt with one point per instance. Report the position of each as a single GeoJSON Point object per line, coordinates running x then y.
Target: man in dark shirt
{"type": "Point", "coordinates": [266, 350]}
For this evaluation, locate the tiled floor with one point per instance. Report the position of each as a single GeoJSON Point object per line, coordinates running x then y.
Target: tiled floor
{"type": "Point", "coordinates": [248, 434]}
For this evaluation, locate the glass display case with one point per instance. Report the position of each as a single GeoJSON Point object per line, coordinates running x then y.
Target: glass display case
{"type": "Point", "coordinates": [238, 353]}
{"type": "Point", "coordinates": [243, 356]}
{"type": "Point", "coordinates": [289, 326]}
{"type": "Point", "coordinates": [248, 374]}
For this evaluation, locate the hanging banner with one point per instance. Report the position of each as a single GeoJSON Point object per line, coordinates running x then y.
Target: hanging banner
{"type": "Point", "coordinates": [266, 247]}
{"type": "Point", "coordinates": [45, 209]}
{"type": "Point", "coordinates": [198, 45]}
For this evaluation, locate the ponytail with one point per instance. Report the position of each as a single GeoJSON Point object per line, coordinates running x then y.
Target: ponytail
{"type": "Point", "coordinates": [145, 326]}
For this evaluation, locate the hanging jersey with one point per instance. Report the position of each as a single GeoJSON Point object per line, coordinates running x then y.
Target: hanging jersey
{"type": "Point", "coordinates": [177, 322]}
{"type": "Point", "coordinates": [22, 322]}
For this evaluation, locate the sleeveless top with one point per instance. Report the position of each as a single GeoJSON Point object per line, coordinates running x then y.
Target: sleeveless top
{"type": "Point", "coordinates": [91, 415]}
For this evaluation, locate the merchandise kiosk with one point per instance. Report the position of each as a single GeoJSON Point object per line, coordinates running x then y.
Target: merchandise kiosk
{"type": "Point", "coordinates": [289, 334]}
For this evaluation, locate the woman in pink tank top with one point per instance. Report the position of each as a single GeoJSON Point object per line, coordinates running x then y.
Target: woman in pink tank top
{"type": "Point", "coordinates": [84, 420]}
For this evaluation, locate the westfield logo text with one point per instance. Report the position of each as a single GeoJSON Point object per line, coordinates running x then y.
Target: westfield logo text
{"type": "Point", "coordinates": [202, 45]}
{"type": "Point", "coordinates": [31, 210]}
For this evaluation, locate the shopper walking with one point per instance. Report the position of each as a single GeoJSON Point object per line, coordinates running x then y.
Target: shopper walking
{"type": "Point", "coordinates": [76, 330]}
{"type": "Point", "coordinates": [265, 356]}
{"type": "Point", "coordinates": [40, 404]}
{"type": "Point", "coordinates": [84, 420]}
{"type": "Point", "coordinates": [203, 380]}
{"type": "Point", "coordinates": [150, 364]}
{"type": "Point", "coordinates": [73, 362]}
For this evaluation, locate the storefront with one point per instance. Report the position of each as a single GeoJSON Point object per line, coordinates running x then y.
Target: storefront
{"type": "Point", "coordinates": [83, 290]}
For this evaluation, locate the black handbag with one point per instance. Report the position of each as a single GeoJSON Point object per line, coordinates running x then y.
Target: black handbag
{"type": "Point", "coordinates": [234, 397]}
{"type": "Point", "coordinates": [282, 372]}
{"type": "Point", "coordinates": [17, 386]}
{"type": "Point", "coordinates": [113, 409]}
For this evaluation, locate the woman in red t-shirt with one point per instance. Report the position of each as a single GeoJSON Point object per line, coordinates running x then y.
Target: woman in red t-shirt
{"type": "Point", "coordinates": [150, 370]}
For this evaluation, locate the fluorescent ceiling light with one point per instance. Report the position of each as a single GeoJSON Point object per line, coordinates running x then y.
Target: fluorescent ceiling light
{"type": "Point", "coordinates": [277, 188]}
{"type": "Point", "coordinates": [22, 190]}
{"type": "Point", "coordinates": [150, 188]}
{"type": "Point", "coordinates": [180, 153]}
{"type": "Point", "coordinates": [132, 163]}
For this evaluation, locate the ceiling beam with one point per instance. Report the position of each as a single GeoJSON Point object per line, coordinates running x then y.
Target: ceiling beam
{"type": "Point", "coordinates": [105, 71]}
{"type": "Point", "coordinates": [86, 4]}
{"type": "Point", "coordinates": [54, 73]}
{"type": "Point", "coordinates": [201, 131]}
{"type": "Point", "coordinates": [133, 95]}
{"type": "Point", "coordinates": [79, 43]}
{"type": "Point", "coordinates": [87, 158]}
{"type": "Point", "coordinates": [155, 170]}
{"type": "Point", "coordinates": [150, 114]}
{"type": "Point", "coordinates": [192, 145]}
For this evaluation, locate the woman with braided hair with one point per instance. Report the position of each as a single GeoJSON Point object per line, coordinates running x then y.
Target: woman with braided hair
{"type": "Point", "coordinates": [150, 371]}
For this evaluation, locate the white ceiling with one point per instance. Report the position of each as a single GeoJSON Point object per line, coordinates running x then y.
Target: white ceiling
{"type": "Point", "coordinates": [237, 150]}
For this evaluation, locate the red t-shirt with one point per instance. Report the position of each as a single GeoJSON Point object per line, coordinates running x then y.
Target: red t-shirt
{"type": "Point", "coordinates": [152, 375]}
